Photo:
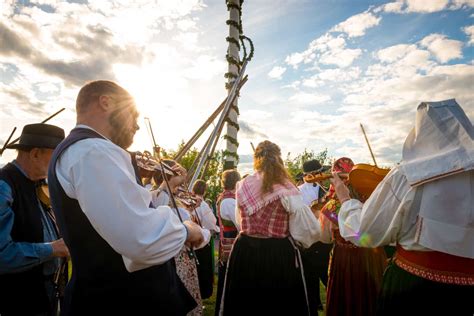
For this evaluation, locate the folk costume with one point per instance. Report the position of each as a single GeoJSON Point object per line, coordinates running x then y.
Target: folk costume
{"type": "Point", "coordinates": [227, 234]}
{"type": "Point", "coordinates": [355, 273]}
{"type": "Point", "coordinates": [122, 250]}
{"type": "Point", "coordinates": [425, 205]}
{"type": "Point", "coordinates": [264, 274]}
{"type": "Point", "coordinates": [27, 267]}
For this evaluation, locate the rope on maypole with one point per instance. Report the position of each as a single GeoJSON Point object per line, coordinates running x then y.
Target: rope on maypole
{"type": "Point", "coordinates": [236, 40]}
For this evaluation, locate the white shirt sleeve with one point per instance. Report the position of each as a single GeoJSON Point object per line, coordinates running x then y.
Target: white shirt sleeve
{"type": "Point", "coordinates": [229, 211]}
{"type": "Point", "coordinates": [207, 217]}
{"type": "Point", "coordinates": [304, 226]}
{"type": "Point", "coordinates": [377, 222]}
{"type": "Point", "coordinates": [160, 197]}
{"type": "Point", "coordinates": [100, 176]}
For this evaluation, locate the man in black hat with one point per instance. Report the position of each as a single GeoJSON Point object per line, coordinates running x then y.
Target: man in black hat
{"type": "Point", "coordinates": [315, 258]}
{"type": "Point", "coordinates": [29, 245]}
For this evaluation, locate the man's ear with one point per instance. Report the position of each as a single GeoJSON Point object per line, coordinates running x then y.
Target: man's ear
{"type": "Point", "coordinates": [34, 153]}
{"type": "Point", "coordinates": [105, 103]}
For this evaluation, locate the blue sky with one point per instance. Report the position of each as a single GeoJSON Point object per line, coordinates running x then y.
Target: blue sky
{"type": "Point", "coordinates": [320, 67]}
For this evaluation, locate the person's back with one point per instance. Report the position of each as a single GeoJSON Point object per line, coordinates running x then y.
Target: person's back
{"type": "Point", "coordinates": [264, 269]}
{"type": "Point", "coordinates": [425, 206]}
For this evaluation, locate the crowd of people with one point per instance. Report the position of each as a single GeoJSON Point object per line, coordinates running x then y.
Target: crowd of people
{"type": "Point", "coordinates": [111, 240]}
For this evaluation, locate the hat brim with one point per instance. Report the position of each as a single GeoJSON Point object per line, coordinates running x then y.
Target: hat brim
{"type": "Point", "coordinates": [26, 147]}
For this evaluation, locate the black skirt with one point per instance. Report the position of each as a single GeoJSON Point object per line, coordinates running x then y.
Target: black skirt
{"type": "Point", "coordinates": [264, 278]}
{"type": "Point", "coordinates": [404, 293]}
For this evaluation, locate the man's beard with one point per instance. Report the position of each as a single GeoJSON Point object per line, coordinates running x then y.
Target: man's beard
{"type": "Point", "coordinates": [120, 136]}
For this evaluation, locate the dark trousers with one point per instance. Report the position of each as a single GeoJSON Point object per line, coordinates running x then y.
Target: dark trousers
{"type": "Point", "coordinates": [315, 263]}
{"type": "Point", "coordinates": [222, 267]}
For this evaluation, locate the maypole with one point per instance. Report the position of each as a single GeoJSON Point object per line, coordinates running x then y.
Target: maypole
{"type": "Point", "coordinates": [233, 59]}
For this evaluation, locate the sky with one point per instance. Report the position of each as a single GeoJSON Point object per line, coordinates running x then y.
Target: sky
{"type": "Point", "coordinates": [320, 67]}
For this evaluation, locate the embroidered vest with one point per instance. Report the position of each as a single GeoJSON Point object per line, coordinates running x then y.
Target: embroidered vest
{"type": "Point", "coordinates": [228, 232]}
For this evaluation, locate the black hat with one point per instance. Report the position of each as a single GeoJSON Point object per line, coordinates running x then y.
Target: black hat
{"type": "Point", "coordinates": [39, 136]}
{"type": "Point", "coordinates": [313, 166]}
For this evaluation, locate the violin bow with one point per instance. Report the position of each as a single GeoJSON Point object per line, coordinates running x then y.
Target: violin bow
{"type": "Point", "coordinates": [6, 143]}
{"type": "Point", "coordinates": [368, 144]}
{"type": "Point", "coordinates": [191, 252]}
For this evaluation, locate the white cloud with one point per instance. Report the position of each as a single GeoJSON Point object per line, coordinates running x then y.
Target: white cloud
{"type": "Point", "coordinates": [341, 57]}
{"type": "Point", "coordinates": [332, 75]}
{"type": "Point", "coordinates": [356, 25]}
{"type": "Point", "coordinates": [424, 6]}
{"type": "Point", "coordinates": [303, 98]}
{"type": "Point", "coordinates": [444, 49]}
{"type": "Point", "coordinates": [326, 49]}
{"type": "Point", "coordinates": [458, 4]}
{"type": "Point", "coordinates": [276, 72]}
{"type": "Point", "coordinates": [393, 53]}
{"type": "Point", "coordinates": [469, 30]}
{"type": "Point", "coordinates": [393, 7]}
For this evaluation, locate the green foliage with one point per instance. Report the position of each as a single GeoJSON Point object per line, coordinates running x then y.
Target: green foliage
{"type": "Point", "coordinates": [295, 165]}
{"type": "Point", "coordinates": [213, 172]}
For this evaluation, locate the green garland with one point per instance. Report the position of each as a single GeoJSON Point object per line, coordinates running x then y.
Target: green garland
{"type": "Point", "coordinates": [227, 153]}
{"type": "Point", "coordinates": [231, 140]}
{"type": "Point", "coordinates": [233, 124]}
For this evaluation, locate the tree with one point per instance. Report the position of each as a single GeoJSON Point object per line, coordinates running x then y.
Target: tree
{"type": "Point", "coordinates": [213, 172]}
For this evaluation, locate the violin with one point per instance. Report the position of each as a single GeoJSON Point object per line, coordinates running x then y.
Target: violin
{"type": "Point", "coordinates": [318, 177]}
{"type": "Point", "coordinates": [187, 198]}
{"type": "Point", "coordinates": [42, 192]}
{"type": "Point", "coordinates": [364, 178]}
{"type": "Point", "coordinates": [146, 162]}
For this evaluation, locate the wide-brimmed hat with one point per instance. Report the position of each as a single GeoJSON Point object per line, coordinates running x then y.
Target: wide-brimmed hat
{"type": "Point", "coordinates": [39, 136]}
{"type": "Point", "coordinates": [314, 166]}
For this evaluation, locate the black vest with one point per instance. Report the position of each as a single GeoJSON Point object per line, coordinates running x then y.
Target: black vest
{"type": "Point", "coordinates": [28, 286]}
{"type": "Point", "coordinates": [100, 283]}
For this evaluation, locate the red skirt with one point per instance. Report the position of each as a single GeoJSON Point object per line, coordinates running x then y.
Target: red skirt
{"type": "Point", "coordinates": [355, 279]}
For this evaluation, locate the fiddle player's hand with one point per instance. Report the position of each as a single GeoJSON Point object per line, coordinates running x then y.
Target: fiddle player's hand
{"type": "Point", "coordinates": [195, 237]}
{"type": "Point", "coordinates": [342, 191]}
{"type": "Point", "coordinates": [180, 178]}
{"type": "Point", "coordinates": [59, 248]}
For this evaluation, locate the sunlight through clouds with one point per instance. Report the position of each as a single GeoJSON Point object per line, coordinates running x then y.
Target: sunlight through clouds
{"type": "Point", "coordinates": [313, 79]}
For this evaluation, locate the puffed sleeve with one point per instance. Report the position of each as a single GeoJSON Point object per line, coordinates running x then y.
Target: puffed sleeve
{"type": "Point", "coordinates": [304, 226]}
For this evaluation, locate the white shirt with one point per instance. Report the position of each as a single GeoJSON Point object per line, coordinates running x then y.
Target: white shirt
{"type": "Point", "coordinates": [309, 192]}
{"type": "Point", "coordinates": [206, 217]}
{"type": "Point", "coordinates": [100, 176]}
{"type": "Point", "coordinates": [304, 227]}
{"type": "Point", "coordinates": [228, 211]}
{"type": "Point", "coordinates": [390, 215]}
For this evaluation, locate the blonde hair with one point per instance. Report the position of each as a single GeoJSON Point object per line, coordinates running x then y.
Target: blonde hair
{"type": "Point", "coordinates": [267, 159]}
